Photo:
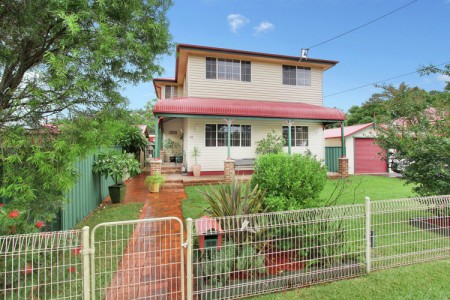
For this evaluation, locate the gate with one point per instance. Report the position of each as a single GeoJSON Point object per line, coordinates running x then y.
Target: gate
{"type": "Point", "coordinates": [140, 259]}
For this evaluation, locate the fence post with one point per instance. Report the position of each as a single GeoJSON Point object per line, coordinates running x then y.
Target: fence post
{"type": "Point", "coordinates": [85, 252]}
{"type": "Point", "coordinates": [368, 236]}
{"type": "Point", "coordinates": [189, 266]}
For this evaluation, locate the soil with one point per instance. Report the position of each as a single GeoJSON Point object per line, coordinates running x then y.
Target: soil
{"type": "Point", "coordinates": [439, 221]}
{"type": "Point", "coordinates": [276, 263]}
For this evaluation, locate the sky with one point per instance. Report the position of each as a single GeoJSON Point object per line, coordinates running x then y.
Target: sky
{"type": "Point", "coordinates": [415, 36]}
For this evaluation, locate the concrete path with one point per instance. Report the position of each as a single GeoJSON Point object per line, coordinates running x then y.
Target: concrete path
{"type": "Point", "coordinates": [150, 268]}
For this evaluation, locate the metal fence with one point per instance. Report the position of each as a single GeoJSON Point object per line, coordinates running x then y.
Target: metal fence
{"type": "Point", "coordinates": [332, 155]}
{"type": "Point", "coordinates": [253, 254]}
{"type": "Point", "coordinates": [41, 266]}
{"type": "Point", "coordinates": [228, 257]}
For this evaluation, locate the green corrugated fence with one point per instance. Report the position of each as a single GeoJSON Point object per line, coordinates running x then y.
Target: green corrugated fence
{"type": "Point", "coordinates": [86, 195]}
{"type": "Point", "coordinates": [332, 155]}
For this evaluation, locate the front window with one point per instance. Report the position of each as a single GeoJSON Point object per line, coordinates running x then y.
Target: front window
{"type": "Point", "coordinates": [171, 91]}
{"type": "Point", "coordinates": [217, 135]}
{"type": "Point", "coordinates": [228, 69]}
{"type": "Point", "coordinates": [299, 136]}
{"type": "Point", "coordinates": [293, 75]}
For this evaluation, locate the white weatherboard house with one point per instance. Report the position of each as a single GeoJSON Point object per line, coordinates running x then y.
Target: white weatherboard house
{"type": "Point", "coordinates": [364, 155]}
{"type": "Point", "coordinates": [223, 101]}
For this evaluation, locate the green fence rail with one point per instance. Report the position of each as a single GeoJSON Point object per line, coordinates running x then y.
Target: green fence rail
{"type": "Point", "coordinates": [332, 155]}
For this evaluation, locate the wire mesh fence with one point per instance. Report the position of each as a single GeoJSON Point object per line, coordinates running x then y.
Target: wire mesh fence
{"type": "Point", "coordinates": [44, 265]}
{"type": "Point", "coordinates": [140, 259]}
{"type": "Point", "coordinates": [276, 251]}
{"type": "Point", "coordinates": [253, 254]}
{"type": "Point", "coordinates": [407, 231]}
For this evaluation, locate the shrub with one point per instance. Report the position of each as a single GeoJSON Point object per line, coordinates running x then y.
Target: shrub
{"type": "Point", "coordinates": [291, 181]}
{"type": "Point", "coordinates": [272, 143]}
{"type": "Point", "coordinates": [217, 264]}
{"type": "Point", "coordinates": [116, 165]}
{"type": "Point", "coordinates": [233, 199]}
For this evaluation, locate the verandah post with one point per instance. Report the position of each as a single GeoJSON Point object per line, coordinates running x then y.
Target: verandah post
{"type": "Point", "coordinates": [368, 236]}
{"type": "Point", "coordinates": [289, 137]}
{"type": "Point", "coordinates": [343, 151]}
{"type": "Point", "coordinates": [156, 154]}
{"type": "Point", "coordinates": [229, 138]}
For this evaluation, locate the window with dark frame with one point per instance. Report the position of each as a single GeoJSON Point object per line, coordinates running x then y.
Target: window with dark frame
{"type": "Point", "coordinates": [228, 69]}
{"type": "Point", "coordinates": [299, 136]}
{"type": "Point", "coordinates": [171, 91]}
{"type": "Point", "coordinates": [293, 75]}
{"type": "Point", "coordinates": [216, 135]}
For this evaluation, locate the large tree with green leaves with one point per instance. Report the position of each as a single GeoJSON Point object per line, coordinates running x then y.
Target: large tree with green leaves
{"type": "Point", "coordinates": [419, 133]}
{"type": "Point", "coordinates": [73, 55]}
{"type": "Point", "coordinates": [62, 65]}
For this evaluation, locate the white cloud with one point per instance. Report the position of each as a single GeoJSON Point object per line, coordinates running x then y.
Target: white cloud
{"type": "Point", "coordinates": [264, 27]}
{"type": "Point", "coordinates": [236, 21]}
{"type": "Point", "coordinates": [443, 77]}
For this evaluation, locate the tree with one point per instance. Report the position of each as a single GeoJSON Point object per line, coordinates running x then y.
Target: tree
{"type": "Point", "coordinates": [419, 134]}
{"type": "Point", "coordinates": [144, 116]}
{"type": "Point", "coordinates": [75, 55]}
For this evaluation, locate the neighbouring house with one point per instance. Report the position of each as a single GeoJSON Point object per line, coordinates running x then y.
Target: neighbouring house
{"type": "Point", "coordinates": [224, 101]}
{"type": "Point", "coordinates": [364, 155]}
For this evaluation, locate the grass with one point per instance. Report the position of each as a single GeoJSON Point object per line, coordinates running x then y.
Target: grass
{"type": "Point", "coordinates": [357, 188]}
{"type": "Point", "coordinates": [111, 213]}
{"type": "Point", "coordinates": [421, 281]}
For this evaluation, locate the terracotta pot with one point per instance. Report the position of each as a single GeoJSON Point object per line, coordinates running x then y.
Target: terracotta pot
{"type": "Point", "coordinates": [196, 169]}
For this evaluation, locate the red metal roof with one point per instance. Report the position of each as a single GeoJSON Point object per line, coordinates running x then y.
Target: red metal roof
{"type": "Point", "coordinates": [349, 130]}
{"type": "Point", "coordinates": [246, 108]}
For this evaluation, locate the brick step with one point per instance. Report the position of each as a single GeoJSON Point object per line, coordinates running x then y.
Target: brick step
{"type": "Point", "coordinates": [171, 170]}
{"type": "Point", "coordinates": [173, 186]}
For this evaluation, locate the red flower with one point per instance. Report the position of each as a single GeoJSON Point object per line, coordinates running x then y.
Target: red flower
{"type": "Point", "coordinates": [28, 270]}
{"type": "Point", "coordinates": [1, 204]}
{"type": "Point", "coordinates": [76, 251]}
{"type": "Point", "coordinates": [72, 269]}
{"type": "Point", "coordinates": [39, 224]}
{"type": "Point", "coordinates": [14, 214]}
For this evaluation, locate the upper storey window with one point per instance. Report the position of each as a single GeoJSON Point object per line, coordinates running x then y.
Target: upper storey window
{"type": "Point", "coordinates": [293, 75]}
{"type": "Point", "coordinates": [228, 69]}
{"type": "Point", "coordinates": [171, 91]}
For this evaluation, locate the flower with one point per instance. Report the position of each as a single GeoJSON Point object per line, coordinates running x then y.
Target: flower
{"type": "Point", "coordinates": [76, 251]}
{"type": "Point", "coordinates": [14, 214]}
{"type": "Point", "coordinates": [39, 224]}
{"type": "Point", "coordinates": [28, 269]}
{"type": "Point", "coordinates": [1, 204]}
{"type": "Point", "coordinates": [72, 269]}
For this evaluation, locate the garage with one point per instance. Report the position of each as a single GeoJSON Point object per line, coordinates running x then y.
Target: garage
{"type": "Point", "coordinates": [367, 157]}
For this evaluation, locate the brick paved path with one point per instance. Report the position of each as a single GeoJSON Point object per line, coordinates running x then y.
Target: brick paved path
{"type": "Point", "coordinates": [150, 267]}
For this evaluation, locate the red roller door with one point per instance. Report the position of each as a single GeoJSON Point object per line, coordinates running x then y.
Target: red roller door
{"type": "Point", "coordinates": [367, 158]}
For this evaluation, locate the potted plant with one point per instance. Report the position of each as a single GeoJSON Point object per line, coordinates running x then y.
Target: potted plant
{"type": "Point", "coordinates": [154, 182]}
{"type": "Point", "coordinates": [170, 146]}
{"type": "Point", "coordinates": [196, 169]}
{"type": "Point", "coordinates": [116, 165]}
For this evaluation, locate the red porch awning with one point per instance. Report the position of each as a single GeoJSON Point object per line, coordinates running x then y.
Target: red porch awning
{"type": "Point", "coordinates": [246, 108]}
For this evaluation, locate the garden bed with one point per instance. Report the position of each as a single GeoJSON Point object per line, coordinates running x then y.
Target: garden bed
{"type": "Point", "coordinates": [437, 224]}
{"type": "Point", "coordinates": [288, 276]}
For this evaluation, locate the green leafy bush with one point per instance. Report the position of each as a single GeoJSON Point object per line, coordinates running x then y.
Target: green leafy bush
{"type": "Point", "coordinates": [250, 260]}
{"type": "Point", "coordinates": [290, 181]}
{"type": "Point", "coordinates": [272, 143]}
{"type": "Point", "coordinates": [217, 264]}
{"type": "Point", "coordinates": [116, 165]}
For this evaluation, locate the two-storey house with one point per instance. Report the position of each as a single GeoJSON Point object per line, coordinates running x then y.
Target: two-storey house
{"type": "Point", "coordinates": [224, 101]}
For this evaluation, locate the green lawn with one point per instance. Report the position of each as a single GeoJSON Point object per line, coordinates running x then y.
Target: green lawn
{"type": "Point", "coordinates": [421, 281]}
{"type": "Point", "coordinates": [357, 188]}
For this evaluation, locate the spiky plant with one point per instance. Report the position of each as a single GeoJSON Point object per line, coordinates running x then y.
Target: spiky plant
{"type": "Point", "coordinates": [234, 199]}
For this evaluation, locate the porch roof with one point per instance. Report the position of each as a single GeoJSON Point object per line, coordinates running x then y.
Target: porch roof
{"type": "Point", "coordinates": [246, 108]}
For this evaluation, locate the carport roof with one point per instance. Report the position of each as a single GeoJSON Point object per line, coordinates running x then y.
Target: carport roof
{"type": "Point", "coordinates": [349, 130]}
